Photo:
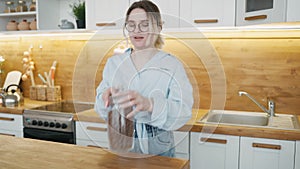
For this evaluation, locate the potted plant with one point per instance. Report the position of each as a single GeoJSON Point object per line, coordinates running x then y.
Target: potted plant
{"type": "Point", "coordinates": [78, 11]}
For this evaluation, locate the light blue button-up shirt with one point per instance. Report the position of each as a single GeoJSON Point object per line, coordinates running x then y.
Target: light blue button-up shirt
{"type": "Point", "coordinates": [162, 78]}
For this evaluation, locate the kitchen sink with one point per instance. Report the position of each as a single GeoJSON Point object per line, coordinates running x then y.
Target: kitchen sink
{"type": "Point", "coordinates": [230, 117]}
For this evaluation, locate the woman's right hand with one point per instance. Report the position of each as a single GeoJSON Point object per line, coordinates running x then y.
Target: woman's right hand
{"type": "Point", "coordinates": [106, 96]}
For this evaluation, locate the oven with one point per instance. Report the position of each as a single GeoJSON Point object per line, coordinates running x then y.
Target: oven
{"type": "Point", "coordinates": [53, 122]}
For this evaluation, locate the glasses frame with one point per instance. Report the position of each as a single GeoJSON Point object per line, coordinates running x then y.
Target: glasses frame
{"type": "Point", "coordinates": [138, 25]}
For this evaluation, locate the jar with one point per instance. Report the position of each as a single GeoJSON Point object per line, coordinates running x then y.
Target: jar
{"type": "Point", "coordinates": [22, 7]}
{"type": "Point", "coordinates": [32, 6]}
{"type": "Point", "coordinates": [12, 26]}
{"type": "Point", "coordinates": [9, 7]}
{"type": "Point", "coordinates": [24, 25]}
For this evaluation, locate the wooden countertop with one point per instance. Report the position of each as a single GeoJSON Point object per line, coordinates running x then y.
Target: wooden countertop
{"type": "Point", "coordinates": [194, 126]}
{"type": "Point", "coordinates": [28, 103]}
{"type": "Point", "coordinates": [30, 153]}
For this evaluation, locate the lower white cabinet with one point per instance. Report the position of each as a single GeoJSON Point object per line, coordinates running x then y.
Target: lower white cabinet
{"type": "Point", "coordinates": [213, 151]}
{"type": "Point", "coordinates": [182, 144]}
{"type": "Point", "coordinates": [91, 134]}
{"type": "Point", "coordinates": [258, 153]}
{"type": "Point", "coordinates": [11, 124]}
{"type": "Point", "coordinates": [297, 156]}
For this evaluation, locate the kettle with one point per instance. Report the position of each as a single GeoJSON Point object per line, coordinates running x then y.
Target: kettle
{"type": "Point", "coordinates": [13, 97]}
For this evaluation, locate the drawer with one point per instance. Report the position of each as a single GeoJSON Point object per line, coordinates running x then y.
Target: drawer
{"type": "Point", "coordinates": [11, 133]}
{"type": "Point", "coordinates": [11, 122]}
{"type": "Point", "coordinates": [91, 131]}
{"type": "Point", "coordinates": [90, 143]}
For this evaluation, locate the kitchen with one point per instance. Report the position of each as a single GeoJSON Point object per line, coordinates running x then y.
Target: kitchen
{"type": "Point", "coordinates": [262, 61]}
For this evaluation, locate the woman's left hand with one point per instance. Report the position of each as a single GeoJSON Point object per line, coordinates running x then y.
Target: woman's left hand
{"type": "Point", "coordinates": [129, 98]}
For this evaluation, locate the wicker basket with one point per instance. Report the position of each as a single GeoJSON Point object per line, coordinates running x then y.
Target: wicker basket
{"type": "Point", "coordinates": [41, 92]}
{"type": "Point", "coordinates": [54, 93]}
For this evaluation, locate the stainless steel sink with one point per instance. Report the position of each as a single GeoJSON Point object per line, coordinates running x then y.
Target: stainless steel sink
{"type": "Point", "coordinates": [230, 117]}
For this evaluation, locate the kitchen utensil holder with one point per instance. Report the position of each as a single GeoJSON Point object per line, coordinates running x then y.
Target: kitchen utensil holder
{"type": "Point", "coordinates": [54, 93]}
{"type": "Point", "coordinates": [33, 93]}
{"type": "Point", "coordinates": [41, 91]}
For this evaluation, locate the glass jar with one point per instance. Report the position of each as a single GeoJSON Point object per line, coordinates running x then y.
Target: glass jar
{"type": "Point", "coordinates": [22, 7]}
{"type": "Point", "coordinates": [32, 6]}
{"type": "Point", "coordinates": [9, 7]}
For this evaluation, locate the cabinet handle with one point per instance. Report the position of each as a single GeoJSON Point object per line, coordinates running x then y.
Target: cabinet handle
{"type": "Point", "coordinates": [205, 20]}
{"type": "Point", "coordinates": [213, 140]}
{"type": "Point", "coordinates": [4, 134]}
{"type": "Point", "coordinates": [7, 119]}
{"type": "Point", "coordinates": [97, 146]}
{"type": "Point", "coordinates": [251, 18]}
{"type": "Point", "coordinates": [268, 146]}
{"type": "Point", "coordinates": [105, 24]}
{"type": "Point", "coordinates": [96, 128]}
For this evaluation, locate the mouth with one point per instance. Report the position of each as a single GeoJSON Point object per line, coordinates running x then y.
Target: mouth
{"type": "Point", "coordinates": [138, 37]}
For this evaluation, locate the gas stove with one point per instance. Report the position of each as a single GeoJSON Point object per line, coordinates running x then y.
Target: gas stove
{"type": "Point", "coordinates": [57, 116]}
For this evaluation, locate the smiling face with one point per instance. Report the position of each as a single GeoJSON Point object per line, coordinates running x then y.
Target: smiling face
{"type": "Point", "coordinates": [142, 31]}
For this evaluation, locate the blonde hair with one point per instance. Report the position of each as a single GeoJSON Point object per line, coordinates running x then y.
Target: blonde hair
{"type": "Point", "coordinates": [153, 13]}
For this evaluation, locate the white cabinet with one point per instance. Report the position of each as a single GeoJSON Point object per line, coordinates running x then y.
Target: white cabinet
{"type": "Point", "coordinates": [203, 13]}
{"type": "Point", "coordinates": [169, 10]}
{"type": "Point", "coordinates": [46, 14]}
{"type": "Point", "coordinates": [258, 153]}
{"type": "Point", "coordinates": [214, 151]}
{"type": "Point", "coordinates": [297, 156]}
{"type": "Point", "coordinates": [91, 134]}
{"type": "Point", "coordinates": [11, 124]}
{"type": "Point", "coordinates": [293, 13]}
{"type": "Point", "coordinates": [182, 142]}
{"type": "Point", "coordinates": [250, 12]}
{"type": "Point", "coordinates": [103, 14]}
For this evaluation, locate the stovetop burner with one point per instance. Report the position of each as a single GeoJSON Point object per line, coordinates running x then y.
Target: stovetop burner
{"type": "Point", "coordinates": [65, 107]}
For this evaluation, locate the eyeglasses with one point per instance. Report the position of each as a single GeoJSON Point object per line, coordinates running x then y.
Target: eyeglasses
{"type": "Point", "coordinates": [143, 26]}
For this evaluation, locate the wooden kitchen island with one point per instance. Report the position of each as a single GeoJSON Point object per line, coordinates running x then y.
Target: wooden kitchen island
{"type": "Point", "coordinates": [21, 153]}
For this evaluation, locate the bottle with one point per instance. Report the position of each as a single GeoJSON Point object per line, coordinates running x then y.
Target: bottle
{"type": "Point", "coordinates": [32, 25]}
{"type": "Point", "coordinates": [12, 26]}
{"type": "Point", "coordinates": [24, 25]}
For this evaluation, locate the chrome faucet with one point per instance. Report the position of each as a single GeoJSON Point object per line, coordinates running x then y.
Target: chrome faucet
{"type": "Point", "coordinates": [271, 104]}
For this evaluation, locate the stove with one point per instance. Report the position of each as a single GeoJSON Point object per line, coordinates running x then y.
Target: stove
{"type": "Point", "coordinates": [53, 122]}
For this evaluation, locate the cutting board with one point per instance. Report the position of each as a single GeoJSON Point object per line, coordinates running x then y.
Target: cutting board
{"type": "Point", "coordinates": [12, 77]}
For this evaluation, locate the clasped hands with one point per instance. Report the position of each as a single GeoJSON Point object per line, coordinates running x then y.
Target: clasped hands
{"type": "Point", "coordinates": [127, 98]}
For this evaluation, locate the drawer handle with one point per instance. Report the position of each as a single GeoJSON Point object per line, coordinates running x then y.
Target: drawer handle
{"type": "Point", "coordinates": [4, 134]}
{"type": "Point", "coordinates": [105, 24]}
{"type": "Point", "coordinates": [268, 146]}
{"type": "Point", "coordinates": [213, 140]}
{"type": "Point", "coordinates": [251, 18]}
{"type": "Point", "coordinates": [96, 128]}
{"type": "Point", "coordinates": [7, 119]}
{"type": "Point", "coordinates": [205, 20]}
{"type": "Point", "coordinates": [97, 146]}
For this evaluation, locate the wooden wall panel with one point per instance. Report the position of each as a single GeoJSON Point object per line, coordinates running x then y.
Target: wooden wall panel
{"type": "Point", "coordinates": [263, 63]}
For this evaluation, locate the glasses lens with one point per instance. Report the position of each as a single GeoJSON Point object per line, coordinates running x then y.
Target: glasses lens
{"type": "Point", "coordinates": [144, 26]}
{"type": "Point", "coordinates": [130, 26]}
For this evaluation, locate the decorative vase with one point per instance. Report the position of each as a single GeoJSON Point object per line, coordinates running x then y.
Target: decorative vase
{"type": "Point", "coordinates": [12, 26]}
{"type": "Point", "coordinates": [32, 25]}
{"type": "Point", "coordinates": [80, 24]}
{"type": "Point", "coordinates": [24, 25]}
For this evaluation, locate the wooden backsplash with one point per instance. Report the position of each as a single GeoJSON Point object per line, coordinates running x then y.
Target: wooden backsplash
{"type": "Point", "coordinates": [264, 63]}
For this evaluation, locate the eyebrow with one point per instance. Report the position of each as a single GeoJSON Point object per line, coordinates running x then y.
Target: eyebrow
{"type": "Point", "coordinates": [140, 22]}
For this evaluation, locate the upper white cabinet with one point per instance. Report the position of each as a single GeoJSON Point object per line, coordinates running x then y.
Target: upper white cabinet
{"type": "Point", "coordinates": [203, 13]}
{"type": "Point", "coordinates": [45, 20]}
{"type": "Point", "coordinates": [258, 153]}
{"type": "Point", "coordinates": [103, 14]}
{"type": "Point", "coordinates": [250, 12]}
{"type": "Point", "coordinates": [169, 10]}
{"type": "Point", "coordinates": [214, 151]}
{"type": "Point", "coordinates": [293, 13]}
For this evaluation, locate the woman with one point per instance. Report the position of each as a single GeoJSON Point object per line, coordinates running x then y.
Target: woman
{"type": "Point", "coordinates": [157, 87]}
